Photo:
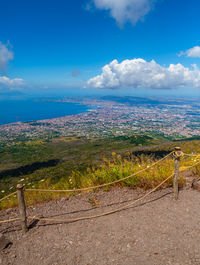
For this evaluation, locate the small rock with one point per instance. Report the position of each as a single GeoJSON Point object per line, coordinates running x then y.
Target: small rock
{"type": "Point", "coordinates": [62, 199]}
{"type": "Point", "coordinates": [8, 211]}
{"type": "Point", "coordinates": [4, 242]}
{"type": "Point", "coordinates": [196, 184]}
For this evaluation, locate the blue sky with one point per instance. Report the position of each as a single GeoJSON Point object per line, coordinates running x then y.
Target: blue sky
{"type": "Point", "coordinates": [50, 46]}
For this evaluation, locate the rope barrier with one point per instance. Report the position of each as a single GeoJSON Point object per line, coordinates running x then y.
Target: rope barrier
{"type": "Point", "coordinates": [103, 214]}
{"type": "Point", "coordinates": [109, 212]}
{"type": "Point", "coordinates": [178, 154]}
{"type": "Point", "coordinates": [190, 166]}
{"type": "Point", "coordinates": [10, 220]}
{"type": "Point", "coordinates": [8, 196]}
{"type": "Point", "coordinates": [105, 184]}
{"type": "Point", "coordinates": [192, 155]}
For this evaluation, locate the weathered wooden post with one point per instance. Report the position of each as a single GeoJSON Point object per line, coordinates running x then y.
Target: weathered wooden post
{"type": "Point", "coordinates": [176, 170]}
{"type": "Point", "coordinates": [22, 207]}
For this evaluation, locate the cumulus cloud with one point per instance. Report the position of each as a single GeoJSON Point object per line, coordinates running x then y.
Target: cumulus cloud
{"type": "Point", "coordinates": [138, 73]}
{"type": "Point", "coordinates": [5, 56]}
{"type": "Point", "coordinates": [7, 83]}
{"type": "Point", "coordinates": [126, 10]}
{"type": "Point", "coordinates": [193, 52]}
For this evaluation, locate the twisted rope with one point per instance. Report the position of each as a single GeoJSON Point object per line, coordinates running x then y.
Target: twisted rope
{"type": "Point", "coordinates": [103, 214]}
{"type": "Point", "coordinates": [8, 196]}
{"type": "Point", "coordinates": [109, 212]}
{"type": "Point", "coordinates": [192, 155]}
{"type": "Point", "coordinates": [190, 166]}
{"type": "Point", "coordinates": [106, 213]}
{"type": "Point", "coordinates": [105, 184]}
{"type": "Point", "coordinates": [10, 220]}
{"type": "Point", "coordinates": [178, 154]}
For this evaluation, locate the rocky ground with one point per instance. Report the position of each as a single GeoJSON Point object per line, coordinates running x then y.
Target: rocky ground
{"type": "Point", "coordinates": [158, 230]}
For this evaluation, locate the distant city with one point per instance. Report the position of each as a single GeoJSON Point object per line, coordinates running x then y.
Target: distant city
{"type": "Point", "coordinates": [113, 116]}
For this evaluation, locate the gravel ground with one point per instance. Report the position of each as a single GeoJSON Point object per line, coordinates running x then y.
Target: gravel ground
{"type": "Point", "coordinates": [159, 230]}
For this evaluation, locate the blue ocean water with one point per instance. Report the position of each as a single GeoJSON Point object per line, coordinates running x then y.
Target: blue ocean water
{"type": "Point", "coordinates": [30, 110]}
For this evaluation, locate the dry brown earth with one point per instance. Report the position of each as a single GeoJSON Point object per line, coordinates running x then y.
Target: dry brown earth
{"type": "Point", "coordinates": [159, 231]}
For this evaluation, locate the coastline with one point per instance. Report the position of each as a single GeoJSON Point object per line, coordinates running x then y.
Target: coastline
{"type": "Point", "coordinates": [35, 114]}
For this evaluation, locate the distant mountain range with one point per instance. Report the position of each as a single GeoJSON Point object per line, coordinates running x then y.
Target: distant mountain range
{"type": "Point", "coordinates": [146, 101]}
{"type": "Point", "coordinates": [9, 95]}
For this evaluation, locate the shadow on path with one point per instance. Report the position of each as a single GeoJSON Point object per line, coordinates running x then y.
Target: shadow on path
{"type": "Point", "coordinates": [118, 203]}
{"type": "Point", "coordinates": [35, 222]}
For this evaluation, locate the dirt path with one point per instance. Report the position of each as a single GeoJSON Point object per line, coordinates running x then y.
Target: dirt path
{"type": "Point", "coordinates": [158, 231]}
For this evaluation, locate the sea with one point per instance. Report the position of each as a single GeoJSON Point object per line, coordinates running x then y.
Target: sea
{"type": "Point", "coordinates": [32, 110]}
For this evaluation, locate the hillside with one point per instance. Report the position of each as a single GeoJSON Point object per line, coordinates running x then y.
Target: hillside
{"type": "Point", "coordinates": [68, 163]}
{"type": "Point", "coordinates": [154, 230]}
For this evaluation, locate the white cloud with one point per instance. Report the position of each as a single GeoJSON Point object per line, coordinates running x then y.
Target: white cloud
{"type": "Point", "coordinates": [7, 83]}
{"type": "Point", "coordinates": [193, 52]}
{"type": "Point", "coordinates": [5, 56]}
{"type": "Point", "coordinates": [126, 10]}
{"type": "Point", "coordinates": [138, 73]}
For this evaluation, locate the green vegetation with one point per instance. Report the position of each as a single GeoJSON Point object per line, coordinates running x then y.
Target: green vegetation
{"type": "Point", "coordinates": [67, 163]}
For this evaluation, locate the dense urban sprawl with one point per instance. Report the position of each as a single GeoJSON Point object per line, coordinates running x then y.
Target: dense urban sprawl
{"type": "Point", "coordinates": [110, 118]}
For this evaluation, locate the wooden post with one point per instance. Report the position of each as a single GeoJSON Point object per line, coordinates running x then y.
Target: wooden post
{"type": "Point", "coordinates": [176, 171]}
{"type": "Point", "coordinates": [22, 207]}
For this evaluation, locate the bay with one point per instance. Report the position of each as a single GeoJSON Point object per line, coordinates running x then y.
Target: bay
{"type": "Point", "coordinates": [31, 110]}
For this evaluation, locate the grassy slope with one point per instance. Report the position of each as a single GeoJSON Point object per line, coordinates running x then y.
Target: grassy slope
{"type": "Point", "coordinates": [68, 163]}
